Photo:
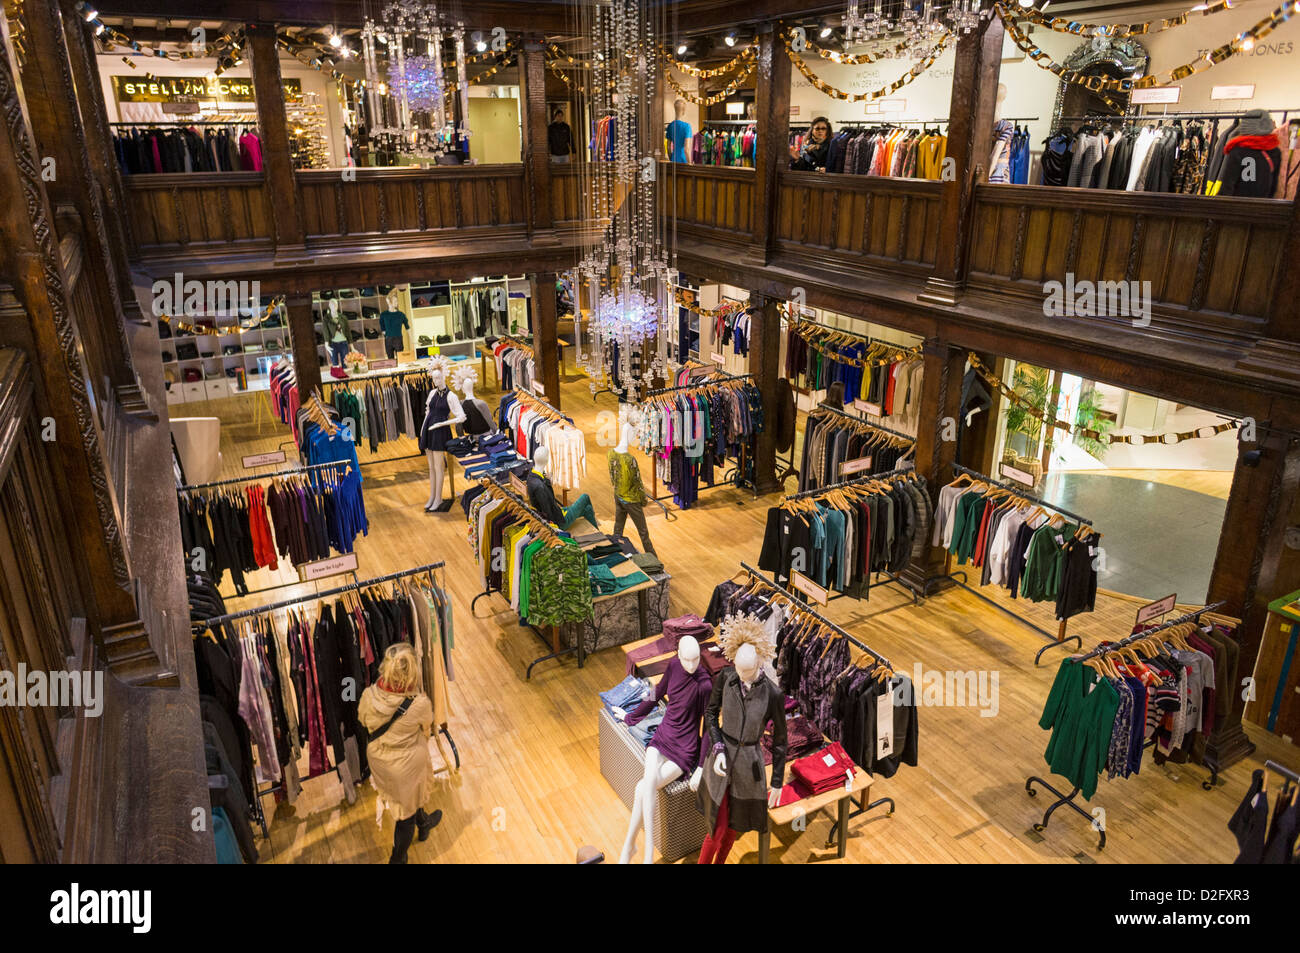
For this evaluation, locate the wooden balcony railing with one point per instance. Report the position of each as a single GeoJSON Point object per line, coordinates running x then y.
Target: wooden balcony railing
{"type": "Point", "coordinates": [200, 213]}
{"type": "Point", "coordinates": [716, 201]}
{"type": "Point", "coordinates": [1210, 261]}
{"type": "Point", "coordinates": [873, 220]}
{"type": "Point", "coordinates": [410, 202]}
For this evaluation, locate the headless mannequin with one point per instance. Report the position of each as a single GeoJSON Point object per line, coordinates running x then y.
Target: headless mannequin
{"type": "Point", "coordinates": [659, 771]}
{"type": "Point", "coordinates": [392, 349]}
{"type": "Point", "coordinates": [679, 138]}
{"type": "Point", "coordinates": [438, 458]}
{"type": "Point", "coordinates": [338, 338]}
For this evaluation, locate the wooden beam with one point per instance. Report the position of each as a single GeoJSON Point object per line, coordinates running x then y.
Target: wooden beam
{"type": "Point", "coordinates": [773, 147]}
{"type": "Point", "coordinates": [537, 153]}
{"type": "Point", "coordinates": [765, 365]}
{"type": "Point", "coordinates": [302, 335]}
{"type": "Point", "coordinates": [272, 123]}
{"type": "Point", "coordinates": [546, 350]}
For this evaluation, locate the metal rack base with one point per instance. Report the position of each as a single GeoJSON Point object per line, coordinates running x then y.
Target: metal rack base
{"type": "Point", "coordinates": [1068, 801]}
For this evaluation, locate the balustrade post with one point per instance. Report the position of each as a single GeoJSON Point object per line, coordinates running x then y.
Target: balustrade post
{"type": "Point", "coordinates": [272, 123]}
{"type": "Point", "coordinates": [772, 150]}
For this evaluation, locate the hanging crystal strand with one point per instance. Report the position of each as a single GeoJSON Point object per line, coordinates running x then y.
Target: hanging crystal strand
{"type": "Point", "coordinates": [437, 116]}
{"type": "Point", "coordinates": [462, 81]}
{"type": "Point", "coordinates": [372, 73]}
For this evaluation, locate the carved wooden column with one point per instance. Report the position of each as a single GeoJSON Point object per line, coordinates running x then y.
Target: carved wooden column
{"type": "Point", "coordinates": [281, 186]}
{"type": "Point", "coordinates": [1278, 350]}
{"type": "Point", "coordinates": [936, 443]}
{"type": "Point", "coordinates": [51, 97]}
{"type": "Point", "coordinates": [537, 153]}
{"type": "Point", "coordinates": [99, 144]}
{"type": "Point", "coordinates": [970, 146]}
{"type": "Point", "coordinates": [765, 365]}
{"type": "Point", "coordinates": [546, 350]}
{"type": "Point", "coordinates": [772, 151]}
{"type": "Point", "coordinates": [1254, 564]}
{"type": "Point", "coordinates": [302, 334]}
{"type": "Point", "coordinates": [38, 319]}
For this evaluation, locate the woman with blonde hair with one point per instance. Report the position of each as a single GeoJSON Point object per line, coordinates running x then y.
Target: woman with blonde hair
{"type": "Point", "coordinates": [398, 717]}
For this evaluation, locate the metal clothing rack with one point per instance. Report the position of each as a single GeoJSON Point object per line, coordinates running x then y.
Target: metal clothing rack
{"type": "Point", "coordinates": [729, 122]}
{"type": "Point", "coordinates": [800, 319]}
{"type": "Point", "coordinates": [1271, 765]}
{"type": "Point", "coordinates": [1067, 800]}
{"type": "Point", "coordinates": [354, 586]}
{"type": "Point", "coordinates": [1054, 641]}
{"type": "Point", "coordinates": [254, 478]}
{"type": "Point", "coordinates": [890, 578]}
{"type": "Point", "coordinates": [549, 528]}
{"type": "Point", "coordinates": [738, 470]}
{"type": "Point", "coordinates": [827, 408]}
{"type": "Point", "coordinates": [187, 123]}
{"type": "Point", "coordinates": [384, 375]}
{"type": "Point", "coordinates": [861, 807]}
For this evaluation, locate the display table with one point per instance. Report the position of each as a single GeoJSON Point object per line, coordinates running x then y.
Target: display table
{"type": "Point", "coordinates": [1275, 706]}
{"type": "Point", "coordinates": [679, 827]}
{"type": "Point", "coordinates": [841, 798]}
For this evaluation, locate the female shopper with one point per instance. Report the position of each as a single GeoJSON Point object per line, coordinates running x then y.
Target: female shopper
{"type": "Point", "coordinates": [816, 147]}
{"type": "Point", "coordinates": [398, 717]}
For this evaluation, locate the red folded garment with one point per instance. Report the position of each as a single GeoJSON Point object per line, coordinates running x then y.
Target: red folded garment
{"type": "Point", "coordinates": [824, 770]}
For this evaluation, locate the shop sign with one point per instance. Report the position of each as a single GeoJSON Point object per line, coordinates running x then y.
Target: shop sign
{"type": "Point", "coordinates": [538, 389]}
{"type": "Point", "coordinates": [719, 359]}
{"type": "Point", "coordinates": [519, 486]}
{"type": "Point", "coordinates": [893, 105]}
{"type": "Point", "coordinates": [171, 89]}
{"type": "Point", "coordinates": [1020, 476]}
{"type": "Point", "coordinates": [1154, 610]}
{"type": "Point", "coordinates": [1156, 95]}
{"type": "Point", "coordinates": [867, 407]}
{"type": "Point", "coordinates": [850, 467]}
{"type": "Point", "coordinates": [333, 566]}
{"type": "Point", "coordinates": [818, 594]}
{"type": "Point", "coordinates": [384, 364]}
{"type": "Point", "coordinates": [263, 459]}
{"type": "Point", "coordinates": [794, 110]}
{"type": "Point", "coordinates": [1233, 92]}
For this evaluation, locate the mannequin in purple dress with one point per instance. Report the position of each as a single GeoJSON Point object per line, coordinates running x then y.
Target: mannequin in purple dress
{"type": "Point", "coordinates": [675, 745]}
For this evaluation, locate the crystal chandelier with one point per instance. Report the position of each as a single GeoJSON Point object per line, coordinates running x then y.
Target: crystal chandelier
{"type": "Point", "coordinates": [406, 98]}
{"type": "Point", "coordinates": [920, 24]}
{"type": "Point", "coordinates": [624, 268]}
{"type": "Point", "coordinates": [965, 15]}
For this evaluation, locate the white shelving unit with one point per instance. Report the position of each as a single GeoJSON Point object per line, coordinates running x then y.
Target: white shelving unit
{"type": "Point", "coordinates": [258, 348]}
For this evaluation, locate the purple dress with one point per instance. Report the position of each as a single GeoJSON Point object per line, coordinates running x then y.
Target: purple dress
{"type": "Point", "coordinates": [678, 735]}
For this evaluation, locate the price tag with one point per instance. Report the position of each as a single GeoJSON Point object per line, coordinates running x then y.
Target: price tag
{"type": "Point", "coordinates": [860, 465]}
{"type": "Point", "coordinates": [885, 725]}
{"type": "Point", "coordinates": [384, 364]}
{"type": "Point", "coordinates": [333, 566]}
{"type": "Point", "coordinates": [818, 594]}
{"type": "Point", "coordinates": [263, 459]}
{"type": "Point", "coordinates": [1154, 610]}
{"type": "Point", "coordinates": [519, 486]}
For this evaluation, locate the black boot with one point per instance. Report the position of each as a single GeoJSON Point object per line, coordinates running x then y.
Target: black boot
{"type": "Point", "coordinates": [427, 822]}
{"type": "Point", "coordinates": [403, 834]}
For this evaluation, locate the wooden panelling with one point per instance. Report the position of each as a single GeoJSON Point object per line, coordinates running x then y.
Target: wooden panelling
{"type": "Point", "coordinates": [1219, 255]}
{"type": "Point", "coordinates": [199, 212]}
{"type": "Point", "coordinates": [860, 218]}
{"type": "Point", "coordinates": [410, 201]}
{"type": "Point", "coordinates": [566, 194]}
{"type": "Point", "coordinates": [716, 200]}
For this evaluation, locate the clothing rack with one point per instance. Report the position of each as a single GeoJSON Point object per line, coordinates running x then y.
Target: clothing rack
{"type": "Point", "coordinates": [729, 122]}
{"type": "Point", "coordinates": [292, 471]}
{"type": "Point", "coordinates": [537, 402]}
{"type": "Point", "coordinates": [739, 469]}
{"type": "Point", "coordinates": [890, 578]}
{"type": "Point", "coordinates": [1271, 765]}
{"type": "Point", "coordinates": [827, 408]}
{"type": "Point", "coordinates": [187, 123]}
{"type": "Point", "coordinates": [355, 586]}
{"type": "Point", "coordinates": [546, 528]}
{"type": "Point", "coordinates": [1053, 641]}
{"type": "Point", "coordinates": [800, 319]}
{"type": "Point", "coordinates": [860, 802]}
{"type": "Point", "coordinates": [1068, 799]}
{"type": "Point", "coordinates": [1148, 117]}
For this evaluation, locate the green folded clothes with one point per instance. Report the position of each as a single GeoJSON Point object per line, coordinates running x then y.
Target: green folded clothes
{"type": "Point", "coordinates": [648, 562]}
{"type": "Point", "coordinates": [611, 560]}
{"type": "Point", "coordinates": [605, 583]}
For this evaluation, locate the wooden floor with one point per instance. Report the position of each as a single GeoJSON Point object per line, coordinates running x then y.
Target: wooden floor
{"type": "Point", "coordinates": [530, 788]}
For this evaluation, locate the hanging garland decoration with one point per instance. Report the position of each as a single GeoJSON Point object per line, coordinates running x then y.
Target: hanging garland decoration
{"type": "Point", "coordinates": [1168, 439]}
{"type": "Point", "coordinates": [734, 85]}
{"type": "Point", "coordinates": [850, 59]}
{"type": "Point", "coordinates": [556, 68]}
{"type": "Point", "coordinates": [813, 334]}
{"type": "Point", "coordinates": [573, 62]}
{"type": "Point", "coordinates": [506, 63]}
{"type": "Point", "coordinates": [740, 59]}
{"type": "Point", "coordinates": [1242, 41]}
{"type": "Point", "coordinates": [1063, 25]}
{"type": "Point", "coordinates": [892, 88]}
{"type": "Point", "coordinates": [680, 297]}
{"type": "Point", "coordinates": [186, 328]}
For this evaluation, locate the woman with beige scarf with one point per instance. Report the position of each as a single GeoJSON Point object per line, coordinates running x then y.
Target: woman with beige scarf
{"type": "Point", "coordinates": [398, 717]}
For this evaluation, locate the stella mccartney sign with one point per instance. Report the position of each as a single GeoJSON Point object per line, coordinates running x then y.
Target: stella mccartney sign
{"type": "Point", "coordinates": [171, 89]}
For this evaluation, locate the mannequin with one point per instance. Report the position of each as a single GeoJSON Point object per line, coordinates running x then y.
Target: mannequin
{"type": "Point", "coordinates": [337, 332]}
{"type": "Point", "coordinates": [675, 743]}
{"type": "Point", "coordinates": [629, 493]}
{"type": "Point", "coordinates": [732, 792]}
{"type": "Point", "coordinates": [1000, 161]}
{"type": "Point", "coordinates": [679, 132]}
{"type": "Point", "coordinates": [541, 494]}
{"type": "Point", "coordinates": [393, 322]}
{"type": "Point", "coordinates": [478, 416]}
{"type": "Point", "coordinates": [442, 410]}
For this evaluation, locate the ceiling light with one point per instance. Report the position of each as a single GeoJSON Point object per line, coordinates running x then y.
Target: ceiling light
{"type": "Point", "coordinates": [1026, 3]}
{"type": "Point", "coordinates": [480, 46]}
{"type": "Point", "coordinates": [730, 39]}
{"type": "Point", "coordinates": [826, 31]}
{"type": "Point", "coordinates": [336, 40]}
{"type": "Point", "coordinates": [99, 29]}
{"type": "Point", "coordinates": [90, 13]}
{"type": "Point", "coordinates": [681, 49]}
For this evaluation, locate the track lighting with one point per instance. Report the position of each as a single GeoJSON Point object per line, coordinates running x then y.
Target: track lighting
{"type": "Point", "coordinates": [90, 13]}
{"type": "Point", "coordinates": [681, 49]}
{"type": "Point", "coordinates": [827, 31]}
{"type": "Point", "coordinates": [336, 40]}
{"type": "Point", "coordinates": [730, 38]}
